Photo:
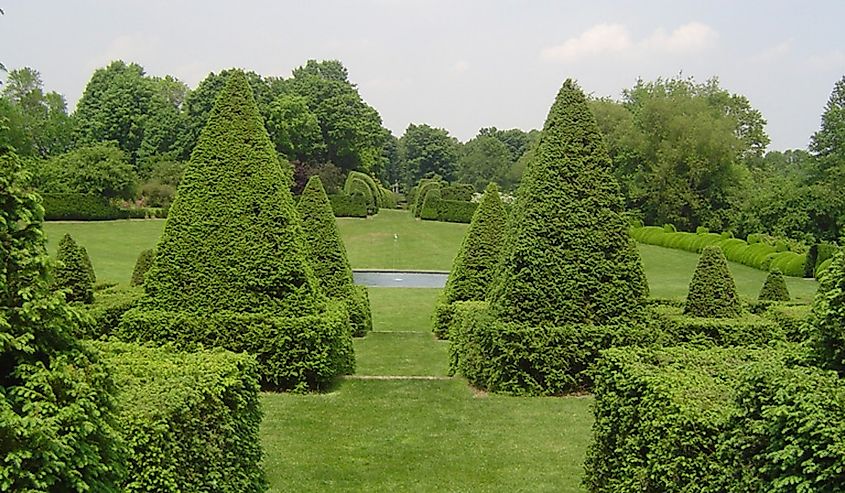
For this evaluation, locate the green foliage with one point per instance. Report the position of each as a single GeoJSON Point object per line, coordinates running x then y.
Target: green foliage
{"type": "Point", "coordinates": [142, 265]}
{"type": "Point", "coordinates": [73, 274]}
{"type": "Point", "coordinates": [452, 211]}
{"type": "Point", "coordinates": [520, 359]}
{"type": "Point", "coordinates": [57, 425]}
{"type": "Point", "coordinates": [376, 196]}
{"type": "Point", "coordinates": [348, 205]}
{"type": "Point", "coordinates": [742, 330]}
{"type": "Point", "coordinates": [568, 257]}
{"type": "Point", "coordinates": [429, 204]}
{"type": "Point", "coordinates": [294, 129]}
{"type": "Point", "coordinates": [105, 314]}
{"type": "Point", "coordinates": [826, 327]}
{"type": "Point", "coordinates": [458, 191]}
{"type": "Point", "coordinates": [472, 272]}
{"type": "Point", "coordinates": [98, 169]}
{"type": "Point", "coordinates": [190, 420]}
{"type": "Point", "coordinates": [712, 290]}
{"type": "Point", "coordinates": [790, 318]}
{"type": "Point", "coordinates": [233, 254]}
{"type": "Point", "coordinates": [774, 289]}
{"type": "Point", "coordinates": [360, 314]}
{"type": "Point", "coordinates": [484, 159]}
{"type": "Point", "coordinates": [80, 207]}
{"type": "Point", "coordinates": [428, 152]}
{"type": "Point", "coordinates": [823, 267]}
{"type": "Point", "coordinates": [422, 191]}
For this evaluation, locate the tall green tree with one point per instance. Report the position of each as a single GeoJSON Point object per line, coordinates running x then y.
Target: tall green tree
{"type": "Point", "coordinates": [42, 125]}
{"type": "Point", "coordinates": [482, 160]}
{"type": "Point", "coordinates": [99, 169]}
{"type": "Point", "coordinates": [428, 151]}
{"type": "Point", "coordinates": [294, 129]}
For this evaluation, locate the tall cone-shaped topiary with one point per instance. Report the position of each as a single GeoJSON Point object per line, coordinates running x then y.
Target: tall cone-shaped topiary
{"type": "Point", "coordinates": [142, 265]}
{"type": "Point", "coordinates": [827, 321]}
{"type": "Point", "coordinates": [89, 267]}
{"type": "Point", "coordinates": [231, 269]}
{"type": "Point", "coordinates": [74, 271]}
{"type": "Point", "coordinates": [712, 290]}
{"type": "Point", "coordinates": [328, 255]}
{"type": "Point", "coordinates": [474, 266]}
{"type": "Point", "coordinates": [774, 288]}
{"type": "Point", "coordinates": [233, 240]}
{"type": "Point", "coordinates": [568, 257]}
{"type": "Point", "coordinates": [57, 426]}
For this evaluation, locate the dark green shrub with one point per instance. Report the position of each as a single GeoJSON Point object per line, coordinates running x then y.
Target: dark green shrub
{"type": "Point", "coordinates": [712, 290]}
{"type": "Point", "coordinates": [818, 255]}
{"type": "Point", "coordinates": [452, 211]}
{"type": "Point", "coordinates": [429, 207]}
{"type": "Point", "coordinates": [57, 423]}
{"type": "Point", "coordinates": [823, 267]}
{"type": "Point", "coordinates": [89, 267]}
{"type": "Point", "coordinates": [348, 205]}
{"type": "Point", "coordinates": [327, 253]}
{"type": "Point", "coordinates": [190, 420]}
{"type": "Point", "coordinates": [811, 261]}
{"type": "Point", "coordinates": [232, 261]}
{"type": "Point", "coordinates": [142, 265]}
{"type": "Point", "coordinates": [827, 322]}
{"type": "Point", "coordinates": [790, 318]}
{"type": "Point", "coordinates": [73, 273]}
{"type": "Point", "coordinates": [568, 257]}
{"type": "Point", "coordinates": [742, 330]}
{"type": "Point", "coordinates": [472, 271]}
{"type": "Point", "coordinates": [80, 207]}
{"type": "Point", "coordinates": [774, 288]}
{"type": "Point", "coordinates": [358, 183]}
{"type": "Point", "coordinates": [105, 314]}
{"type": "Point", "coordinates": [461, 192]}
{"type": "Point", "coordinates": [360, 314]}
{"type": "Point", "coordinates": [422, 191]}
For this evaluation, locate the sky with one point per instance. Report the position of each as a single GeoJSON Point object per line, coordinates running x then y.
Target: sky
{"type": "Point", "coordinates": [455, 64]}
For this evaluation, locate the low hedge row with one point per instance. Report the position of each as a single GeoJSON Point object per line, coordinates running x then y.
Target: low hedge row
{"type": "Point", "coordinates": [745, 330]}
{"type": "Point", "coordinates": [87, 207]}
{"type": "Point", "coordinates": [436, 208]}
{"type": "Point", "coordinates": [757, 255]}
{"type": "Point", "coordinates": [348, 205]}
{"type": "Point", "coordinates": [298, 354]}
{"type": "Point", "coordinates": [714, 420]}
{"type": "Point", "coordinates": [105, 313]}
{"type": "Point", "coordinates": [189, 421]}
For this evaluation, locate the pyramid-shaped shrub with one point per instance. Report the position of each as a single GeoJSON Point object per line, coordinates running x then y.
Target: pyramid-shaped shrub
{"type": "Point", "coordinates": [568, 257]}
{"type": "Point", "coordinates": [89, 267]}
{"type": "Point", "coordinates": [774, 288]}
{"type": "Point", "coordinates": [142, 265]}
{"type": "Point", "coordinates": [57, 425]}
{"type": "Point", "coordinates": [328, 255]}
{"type": "Point", "coordinates": [569, 283]}
{"type": "Point", "coordinates": [712, 290]}
{"type": "Point", "coordinates": [74, 272]}
{"type": "Point", "coordinates": [231, 267]}
{"type": "Point", "coordinates": [827, 322]}
{"type": "Point", "coordinates": [474, 266]}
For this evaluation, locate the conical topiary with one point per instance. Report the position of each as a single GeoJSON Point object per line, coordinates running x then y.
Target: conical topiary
{"type": "Point", "coordinates": [233, 240]}
{"type": "Point", "coordinates": [568, 257]}
{"type": "Point", "coordinates": [74, 271]}
{"type": "Point", "coordinates": [328, 254]}
{"type": "Point", "coordinates": [774, 288]}
{"type": "Point", "coordinates": [827, 321]}
{"type": "Point", "coordinates": [712, 291]}
{"type": "Point", "coordinates": [474, 266]}
{"type": "Point", "coordinates": [89, 267]}
{"type": "Point", "coordinates": [57, 426]}
{"type": "Point", "coordinates": [142, 265]}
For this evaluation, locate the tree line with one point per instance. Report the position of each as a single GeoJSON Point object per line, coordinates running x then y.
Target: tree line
{"type": "Point", "coordinates": [683, 152]}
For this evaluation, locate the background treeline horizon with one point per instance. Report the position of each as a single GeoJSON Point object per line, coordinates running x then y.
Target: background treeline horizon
{"type": "Point", "coordinates": [684, 152]}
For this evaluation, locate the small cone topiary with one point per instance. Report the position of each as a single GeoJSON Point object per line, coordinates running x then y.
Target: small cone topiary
{"type": "Point", "coordinates": [774, 288]}
{"type": "Point", "coordinates": [474, 266]}
{"type": "Point", "coordinates": [74, 271]}
{"type": "Point", "coordinates": [827, 322]}
{"type": "Point", "coordinates": [568, 257]}
{"type": "Point", "coordinates": [142, 265]}
{"type": "Point", "coordinates": [712, 290]}
{"type": "Point", "coordinates": [57, 411]}
{"type": "Point", "coordinates": [328, 254]}
{"type": "Point", "coordinates": [89, 267]}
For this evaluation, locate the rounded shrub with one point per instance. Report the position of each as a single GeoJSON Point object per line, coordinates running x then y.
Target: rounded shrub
{"type": "Point", "coordinates": [774, 288]}
{"type": "Point", "coordinates": [827, 322]}
{"type": "Point", "coordinates": [142, 265]}
{"type": "Point", "coordinates": [568, 257]}
{"type": "Point", "coordinates": [712, 290]}
{"type": "Point", "coordinates": [74, 272]}
{"type": "Point", "coordinates": [57, 412]}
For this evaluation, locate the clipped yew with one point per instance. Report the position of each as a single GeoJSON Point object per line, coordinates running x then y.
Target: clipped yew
{"type": "Point", "coordinates": [827, 322]}
{"type": "Point", "coordinates": [328, 254]}
{"type": "Point", "coordinates": [89, 267]}
{"type": "Point", "coordinates": [474, 266]}
{"type": "Point", "coordinates": [74, 272]}
{"type": "Point", "coordinates": [774, 288]}
{"type": "Point", "coordinates": [231, 268]}
{"type": "Point", "coordinates": [57, 425]}
{"type": "Point", "coordinates": [712, 290]}
{"type": "Point", "coordinates": [142, 265]}
{"type": "Point", "coordinates": [568, 257]}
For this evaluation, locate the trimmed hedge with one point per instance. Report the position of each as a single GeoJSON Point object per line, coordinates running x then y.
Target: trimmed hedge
{"type": "Point", "coordinates": [460, 192]}
{"type": "Point", "coordinates": [743, 330]}
{"type": "Point", "coordinates": [453, 211]}
{"type": "Point", "coordinates": [718, 420]}
{"type": "Point", "coordinates": [712, 290]}
{"type": "Point", "coordinates": [826, 327]}
{"type": "Point", "coordinates": [190, 420]}
{"type": "Point", "coordinates": [74, 272]}
{"type": "Point", "coordinates": [429, 206]}
{"type": "Point", "coordinates": [774, 288]}
{"type": "Point", "coordinates": [753, 253]}
{"type": "Point", "coordinates": [105, 314]}
{"type": "Point", "coordinates": [791, 319]}
{"type": "Point", "coordinates": [294, 353]}
{"type": "Point", "coordinates": [142, 265]}
{"type": "Point", "coordinates": [348, 205]}
{"type": "Point", "coordinates": [422, 192]}
{"type": "Point", "coordinates": [521, 359]}
{"type": "Point", "coordinates": [360, 313]}
{"type": "Point", "coordinates": [374, 194]}
{"type": "Point", "coordinates": [80, 207]}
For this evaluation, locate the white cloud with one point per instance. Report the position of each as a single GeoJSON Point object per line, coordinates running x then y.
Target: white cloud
{"type": "Point", "coordinates": [615, 39]}
{"type": "Point", "coordinates": [774, 53]}
{"type": "Point", "coordinates": [832, 60]}
{"type": "Point", "coordinates": [460, 66]}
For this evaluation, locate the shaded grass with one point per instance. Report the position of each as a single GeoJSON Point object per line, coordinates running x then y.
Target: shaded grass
{"type": "Point", "coordinates": [395, 436]}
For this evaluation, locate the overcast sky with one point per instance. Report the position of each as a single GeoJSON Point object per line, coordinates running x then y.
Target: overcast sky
{"type": "Point", "coordinates": [461, 65]}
